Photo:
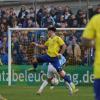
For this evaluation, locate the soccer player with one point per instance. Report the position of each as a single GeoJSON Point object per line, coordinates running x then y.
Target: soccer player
{"type": "Point", "coordinates": [55, 48]}
{"type": "Point", "coordinates": [92, 32]}
{"type": "Point", "coordinates": [51, 73]}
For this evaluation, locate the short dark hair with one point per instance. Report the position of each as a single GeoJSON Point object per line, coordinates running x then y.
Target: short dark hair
{"type": "Point", "coordinates": [52, 28]}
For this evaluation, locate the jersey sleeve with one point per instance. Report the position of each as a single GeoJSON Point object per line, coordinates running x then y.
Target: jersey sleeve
{"type": "Point", "coordinates": [60, 41]}
{"type": "Point", "coordinates": [46, 43]}
{"type": "Point", "coordinates": [89, 32]}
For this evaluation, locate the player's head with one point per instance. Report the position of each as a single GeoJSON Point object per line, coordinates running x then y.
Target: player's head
{"type": "Point", "coordinates": [51, 30]}
{"type": "Point", "coordinates": [60, 34]}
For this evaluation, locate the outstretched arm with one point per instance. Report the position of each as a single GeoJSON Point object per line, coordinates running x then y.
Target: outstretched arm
{"type": "Point", "coordinates": [40, 45]}
{"type": "Point", "coordinates": [88, 42]}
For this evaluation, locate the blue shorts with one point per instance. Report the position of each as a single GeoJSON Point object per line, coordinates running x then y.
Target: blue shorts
{"type": "Point", "coordinates": [53, 60]}
{"type": "Point", "coordinates": [97, 89]}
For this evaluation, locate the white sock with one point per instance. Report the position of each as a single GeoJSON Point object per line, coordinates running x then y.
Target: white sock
{"type": "Point", "coordinates": [44, 84]}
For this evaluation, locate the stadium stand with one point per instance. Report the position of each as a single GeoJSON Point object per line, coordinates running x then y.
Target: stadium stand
{"type": "Point", "coordinates": [61, 17]}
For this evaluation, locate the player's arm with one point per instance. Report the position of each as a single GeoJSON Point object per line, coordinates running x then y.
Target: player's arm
{"type": "Point", "coordinates": [63, 48]}
{"type": "Point", "coordinates": [40, 45]}
{"type": "Point", "coordinates": [62, 45]}
{"type": "Point", "coordinates": [88, 42]}
{"type": "Point", "coordinates": [89, 33]}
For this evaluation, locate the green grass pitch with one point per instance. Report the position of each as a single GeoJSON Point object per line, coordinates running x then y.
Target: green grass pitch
{"type": "Point", "coordinates": [58, 93]}
{"type": "Point", "coordinates": [26, 91]}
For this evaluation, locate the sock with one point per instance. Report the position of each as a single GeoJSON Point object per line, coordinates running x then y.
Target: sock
{"type": "Point", "coordinates": [67, 79]}
{"type": "Point", "coordinates": [35, 65]}
{"type": "Point", "coordinates": [69, 88]}
{"type": "Point", "coordinates": [44, 84]}
{"type": "Point", "coordinates": [72, 85]}
{"type": "Point", "coordinates": [69, 84]}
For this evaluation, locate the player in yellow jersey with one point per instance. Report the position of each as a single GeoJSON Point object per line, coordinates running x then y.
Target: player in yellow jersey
{"type": "Point", "coordinates": [92, 32]}
{"type": "Point", "coordinates": [55, 48]}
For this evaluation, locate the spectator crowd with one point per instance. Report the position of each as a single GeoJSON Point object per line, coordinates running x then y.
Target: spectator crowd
{"type": "Point", "coordinates": [60, 17]}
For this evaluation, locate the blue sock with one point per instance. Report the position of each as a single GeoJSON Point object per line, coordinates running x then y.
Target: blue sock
{"type": "Point", "coordinates": [67, 79]}
{"type": "Point", "coordinates": [35, 65]}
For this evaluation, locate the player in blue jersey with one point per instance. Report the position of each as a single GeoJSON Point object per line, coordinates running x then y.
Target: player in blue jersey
{"type": "Point", "coordinates": [51, 73]}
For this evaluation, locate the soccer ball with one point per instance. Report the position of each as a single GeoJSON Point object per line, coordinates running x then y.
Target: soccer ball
{"type": "Point", "coordinates": [55, 81]}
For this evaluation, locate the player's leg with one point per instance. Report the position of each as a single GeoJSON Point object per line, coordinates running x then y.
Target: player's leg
{"type": "Point", "coordinates": [34, 67]}
{"type": "Point", "coordinates": [41, 59]}
{"type": "Point", "coordinates": [97, 89]}
{"type": "Point", "coordinates": [38, 59]}
{"type": "Point", "coordinates": [68, 82]}
{"type": "Point", "coordinates": [33, 62]}
{"type": "Point", "coordinates": [50, 75]}
{"type": "Point", "coordinates": [63, 75]}
{"type": "Point", "coordinates": [44, 84]}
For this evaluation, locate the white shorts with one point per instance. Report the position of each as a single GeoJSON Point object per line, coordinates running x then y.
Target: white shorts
{"type": "Point", "coordinates": [52, 72]}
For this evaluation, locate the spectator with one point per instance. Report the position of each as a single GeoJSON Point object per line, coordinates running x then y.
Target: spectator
{"type": "Point", "coordinates": [90, 11]}
{"type": "Point", "coordinates": [31, 14]}
{"type": "Point", "coordinates": [74, 51]}
{"type": "Point", "coordinates": [97, 10]}
{"type": "Point", "coordinates": [40, 15]}
{"type": "Point", "coordinates": [66, 15]}
{"type": "Point", "coordinates": [23, 13]}
{"type": "Point", "coordinates": [4, 56]}
{"type": "Point", "coordinates": [58, 14]}
{"type": "Point", "coordinates": [47, 20]}
{"type": "Point", "coordinates": [61, 17]}
{"type": "Point", "coordinates": [72, 21]}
